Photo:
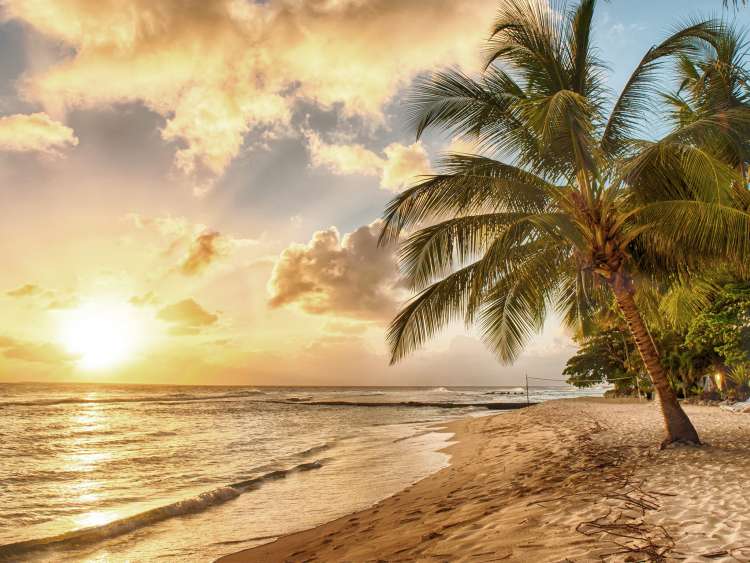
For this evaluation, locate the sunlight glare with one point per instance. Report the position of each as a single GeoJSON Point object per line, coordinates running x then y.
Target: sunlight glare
{"type": "Point", "coordinates": [102, 334]}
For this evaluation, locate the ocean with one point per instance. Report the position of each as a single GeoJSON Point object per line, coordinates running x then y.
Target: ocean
{"type": "Point", "coordinates": [105, 472]}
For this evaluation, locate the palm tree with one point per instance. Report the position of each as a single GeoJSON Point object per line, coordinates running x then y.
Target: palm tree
{"type": "Point", "coordinates": [565, 205]}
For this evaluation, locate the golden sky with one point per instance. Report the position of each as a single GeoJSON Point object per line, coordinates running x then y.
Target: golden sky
{"type": "Point", "coordinates": [191, 190]}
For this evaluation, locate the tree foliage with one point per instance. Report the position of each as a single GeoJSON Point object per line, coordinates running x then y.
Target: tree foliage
{"type": "Point", "coordinates": [569, 200]}
{"type": "Point", "coordinates": [723, 329]}
{"type": "Point", "coordinates": [608, 357]}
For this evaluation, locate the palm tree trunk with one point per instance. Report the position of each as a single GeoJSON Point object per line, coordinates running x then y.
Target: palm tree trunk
{"type": "Point", "coordinates": [678, 425]}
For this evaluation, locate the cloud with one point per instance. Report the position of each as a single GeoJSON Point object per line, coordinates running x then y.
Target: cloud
{"type": "Point", "coordinates": [27, 290]}
{"type": "Point", "coordinates": [397, 169]}
{"type": "Point", "coordinates": [64, 302]}
{"type": "Point", "coordinates": [166, 225]}
{"type": "Point", "coordinates": [35, 133]}
{"type": "Point", "coordinates": [218, 70]}
{"type": "Point", "coordinates": [6, 342]}
{"type": "Point", "coordinates": [205, 249]}
{"type": "Point", "coordinates": [45, 298]}
{"type": "Point", "coordinates": [346, 276]}
{"type": "Point", "coordinates": [44, 353]}
{"type": "Point", "coordinates": [403, 164]}
{"type": "Point", "coordinates": [198, 245]}
{"type": "Point", "coordinates": [343, 159]}
{"type": "Point", "coordinates": [148, 298]}
{"type": "Point", "coordinates": [186, 317]}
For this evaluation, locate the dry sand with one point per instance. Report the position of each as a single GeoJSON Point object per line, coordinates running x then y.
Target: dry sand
{"type": "Point", "coordinates": [576, 480]}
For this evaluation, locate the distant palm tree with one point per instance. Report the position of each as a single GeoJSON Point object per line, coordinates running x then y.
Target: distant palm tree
{"type": "Point", "coordinates": [581, 209]}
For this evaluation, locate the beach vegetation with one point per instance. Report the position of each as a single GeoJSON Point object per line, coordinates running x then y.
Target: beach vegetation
{"type": "Point", "coordinates": [571, 197]}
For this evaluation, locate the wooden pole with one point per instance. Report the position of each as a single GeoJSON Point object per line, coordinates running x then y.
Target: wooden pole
{"type": "Point", "coordinates": [528, 402]}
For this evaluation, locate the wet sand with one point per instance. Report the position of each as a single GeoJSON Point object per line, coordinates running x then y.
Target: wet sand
{"type": "Point", "coordinates": [575, 480]}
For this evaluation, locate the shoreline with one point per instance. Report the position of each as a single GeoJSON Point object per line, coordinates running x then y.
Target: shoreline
{"type": "Point", "coordinates": [581, 478]}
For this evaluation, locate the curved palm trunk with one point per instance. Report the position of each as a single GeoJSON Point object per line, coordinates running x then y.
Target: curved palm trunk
{"type": "Point", "coordinates": [678, 425]}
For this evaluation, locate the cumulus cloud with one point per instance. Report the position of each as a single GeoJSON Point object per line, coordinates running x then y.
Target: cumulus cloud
{"type": "Point", "coordinates": [342, 159]}
{"type": "Point", "coordinates": [220, 69]}
{"type": "Point", "coordinates": [37, 132]}
{"type": "Point", "coordinates": [399, 167]}
{"type": "Point", "coordinates": [44, 353]}
{"type": "Point", "coordinates": [186, 317]}
{"type": "Point", "coordinates": [346, 276]}
{"type": "Point", "coordinates": [403, 164]}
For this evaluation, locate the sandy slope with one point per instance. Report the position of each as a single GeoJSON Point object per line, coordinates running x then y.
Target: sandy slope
{"type": "Point", "coordinates": [576, 480]}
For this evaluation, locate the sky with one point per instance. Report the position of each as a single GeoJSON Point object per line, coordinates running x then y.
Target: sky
{"type": "Point", "coordinates": [191, 189]}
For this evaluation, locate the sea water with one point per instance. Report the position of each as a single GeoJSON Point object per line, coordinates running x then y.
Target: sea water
{"type": "Point", "coordinates": [100, 472]}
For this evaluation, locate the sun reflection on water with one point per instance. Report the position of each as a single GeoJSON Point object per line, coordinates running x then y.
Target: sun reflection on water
{"type": "Point", "coordinates": [86, 491]}
{"type": "Point", "coordinates": [95, 518]}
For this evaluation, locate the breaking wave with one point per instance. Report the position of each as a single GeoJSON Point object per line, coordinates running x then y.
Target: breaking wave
{"type": "Point", "coordinates": [127, 524]}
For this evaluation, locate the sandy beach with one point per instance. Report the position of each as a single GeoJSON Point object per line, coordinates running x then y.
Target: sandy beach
{"type": "Point", "coordinates": [570, 480]}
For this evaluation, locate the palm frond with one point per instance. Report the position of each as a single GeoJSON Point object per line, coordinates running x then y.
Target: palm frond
{"type": "Point", "coordinates": [459, 104]}
{"type": "Point", "coordinates": [580, 48]}
{"type": "Point", "coordinates": [456, 297]}
{"type": "Point", "coordinates": [470, 184]}
{"type": "Point", "coordinates": [430, 311]}
{"type": "Point", "coordinates": [702, 229]}
{"type": "Point", "coordinates": [516, 307]}
{"type": "Point", "coordinates": [670, 170]}
{"type": "Point", "coordinates": [634, 101]}
{"type": "Point", "coordinates": [435, 250]}
{"type": "Point", "coordinates": [528, 37]}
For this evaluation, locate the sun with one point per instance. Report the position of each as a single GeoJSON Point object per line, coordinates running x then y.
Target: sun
{"type": "Point", "coordinates": [101, 334]}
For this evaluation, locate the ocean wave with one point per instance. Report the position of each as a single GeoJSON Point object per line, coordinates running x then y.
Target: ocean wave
{"type": "Point", "coordinates": [410, 404]}
{"type": "Point", "coordinates": [315, 450]}
{"type": "Point", "coordinates": [513, 391]}
{"type": "Point", "coordinates": [125, 525]}
{"type": "Point", "coordinates": [440, 390]}
{"type": "Point", "coordinates": [415, 435]}
{"type": "Point", "coordinates": [171, 398]}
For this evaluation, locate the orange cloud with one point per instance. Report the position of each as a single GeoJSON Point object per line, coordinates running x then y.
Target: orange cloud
{"type": "Point", "coordinates": [27, 290]}
{"type": "Point", "coordinates": [35, 133]}
{"type": "Point", "coordinates": [400, 166]}
{"type": "Point", "coordinates": [346, 276]}
{"type": "Point", "coordinates": [191, 248]}
{"type": "Point", "coordinates": [204, 250]}
{"type": "Point", "coordinates": [217, 70]}
{"type": "Point", "coordinates": [45, 298]}
{"type": "Point", "coordinates": [186, 317]}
